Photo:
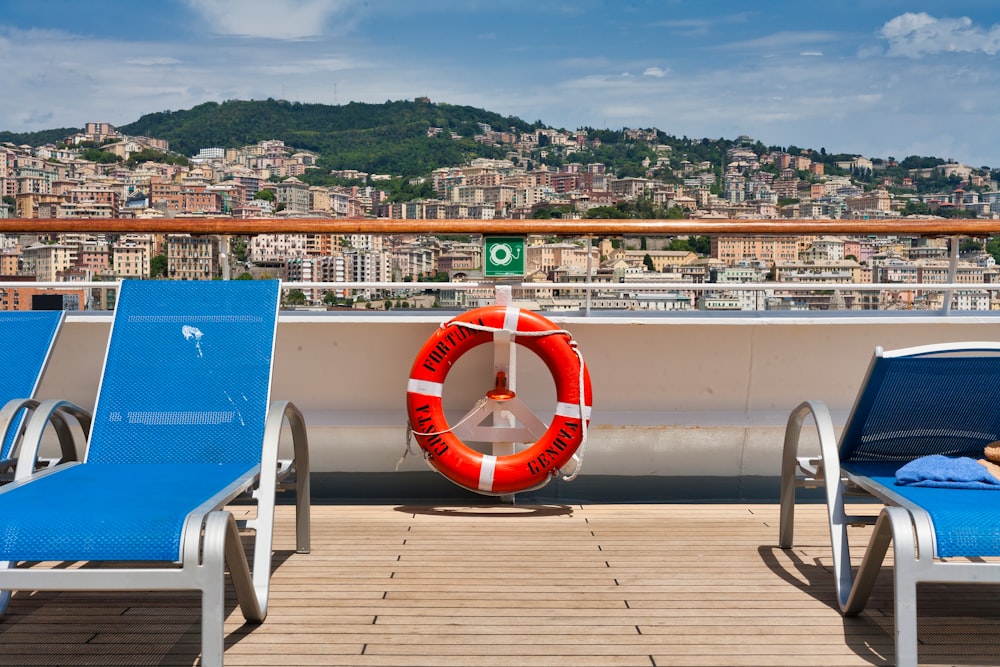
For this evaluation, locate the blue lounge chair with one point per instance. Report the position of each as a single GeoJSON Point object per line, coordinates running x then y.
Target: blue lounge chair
{"type": "Point", "coordinates": [31, 335]}
{"type": "Point", "coordinates": [914, 403]}
{"type": "Point", "coordinates": [182, 427]}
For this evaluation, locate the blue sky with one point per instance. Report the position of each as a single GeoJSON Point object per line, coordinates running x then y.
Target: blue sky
{"type": "Point", "coordinates": [881, 78]}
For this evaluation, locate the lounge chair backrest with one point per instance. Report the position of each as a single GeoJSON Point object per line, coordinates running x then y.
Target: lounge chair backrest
{"type": "Point", "coordinates": [165, 368]}
{"type": "Point", "coordinates": [30, 336]}
{"type": "Point", "coordinates": [919, 401]}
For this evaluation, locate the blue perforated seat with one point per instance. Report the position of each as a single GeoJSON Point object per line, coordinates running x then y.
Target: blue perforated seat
{"type": "Point", "coordinates": [183, 425]}
{"type": "Point", "coordinates": [29, 336]}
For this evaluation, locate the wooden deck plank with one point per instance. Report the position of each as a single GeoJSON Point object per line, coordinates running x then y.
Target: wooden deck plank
{"type": "Point", "coordinates": [494, 585]}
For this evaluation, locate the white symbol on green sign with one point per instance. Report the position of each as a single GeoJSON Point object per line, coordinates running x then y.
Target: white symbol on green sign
{"type": "Point", "coordinates": [504, 256]}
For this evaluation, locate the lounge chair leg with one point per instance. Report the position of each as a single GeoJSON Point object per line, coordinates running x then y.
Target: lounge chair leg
{"type": "Point", "coordinates": [5, 594]}
{"type": "Point", "coordinates": [253, 607]}
{"type": "Point", "coordinates": [906, 629]}
{"type": "Point", "coordinates": [212, 626]}
{"type": "Point", "coordinates": [213, 595]}
{"type": "Point", "coordinates": [904, 585]}
{"type": "Point", "coordinates": [786, 521]}
{"type": "Point", "coordinates": [859, 589]}
{"type": "Point", "coordinates": [303, 492]}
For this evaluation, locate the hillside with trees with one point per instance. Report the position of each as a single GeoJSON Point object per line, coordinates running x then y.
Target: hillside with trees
{"type": "Point", "coordinates": [377, 138]}
{"type": "Point", "coordinates": [393, 138]}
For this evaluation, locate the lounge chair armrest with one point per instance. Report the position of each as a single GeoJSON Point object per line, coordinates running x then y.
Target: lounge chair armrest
{"type": "Point", "coordinates": [273, 469]}
{"type": "Point", "coordinates": [270, 469]}
{"type": "Point", "coordinates": [52, 412]}
{"type": "Point", "coordinates": [828, 463]}
{"type": "Point", "coordinates": [8, 415]}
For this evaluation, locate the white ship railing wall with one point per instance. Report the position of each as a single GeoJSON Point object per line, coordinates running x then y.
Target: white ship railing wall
{"type": "Point", "coordinates": [687, 405]}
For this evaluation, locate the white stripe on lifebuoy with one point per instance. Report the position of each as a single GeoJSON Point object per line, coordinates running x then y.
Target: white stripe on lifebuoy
{"type": "Point", "coordinates": [572, 410]}
{"type": "Point", "coordinates": [424, 387]}
{"type": "Point", "coordinates": [486, 471]}
{"type": "Point", "coordinates": [511, 317]}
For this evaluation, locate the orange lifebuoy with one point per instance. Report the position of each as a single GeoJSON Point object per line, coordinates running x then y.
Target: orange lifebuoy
{"type": "Point", "coordinates": [462, 464]}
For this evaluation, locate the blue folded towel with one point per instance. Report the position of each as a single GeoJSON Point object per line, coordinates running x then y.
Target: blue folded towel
{"type": "Point", "coordinates": [946, 472]}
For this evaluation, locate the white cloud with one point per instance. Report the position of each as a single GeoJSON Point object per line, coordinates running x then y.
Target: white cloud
{"type": "Point", "coordinates": [153, 61]}
{"type": "Point", "coordinates": [785, 39]}
{"type": "Point", "coordinates": [658, 72]}
{"type": "Point", "coordinates": [284, 20]}
{"type": "Point", "coordinates": [917, 34]}
{"type": "Point", "coordinates": [702, 26]}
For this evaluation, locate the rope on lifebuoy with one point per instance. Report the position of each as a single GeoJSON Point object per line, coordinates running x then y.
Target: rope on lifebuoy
{"type": "Point", "coordinates": [410, 432]}
{"type": "Point", "coordinates": [467, 467]}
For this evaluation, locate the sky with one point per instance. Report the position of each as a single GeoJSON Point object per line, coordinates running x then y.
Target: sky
{"type": "Point", "coordinates": [879, 78]}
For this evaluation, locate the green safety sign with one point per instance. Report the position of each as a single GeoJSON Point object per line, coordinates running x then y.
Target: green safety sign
{"type": "Point", "coordinates": [503, 256]}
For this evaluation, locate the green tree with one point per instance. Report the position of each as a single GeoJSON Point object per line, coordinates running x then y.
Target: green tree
{"type": "Point", "coordinates": [238, 248]}
{"type": "Point", "coordinates": [295, 297]}
{"type": "Point", "coordinates": [99, 156]}
{"type": "Point", "coordinates": [648, 262]}
{"type": "Point", "coordinates": [439, 277]}
{"type": "Point", "coordinates": [605, 213]}
{"type": "Point", "coordinates": [916, 208]}
{"type": "Point", "coordinates": [265, 195]}
{"type": "Point", "coordinates": [701, 245]}
{"type": "Point", "coordinates": [993, 247]}
{"type": "Point", "coordinates": [967, 245]}
{"type": "Point", "coordinates": [158, 266]}
{"type": "Point", "coordinates": [549, 212]}
{"type": "Point", "coordinates": [150, 155]}
{"type": "Point", "coordinates": [675, 212]}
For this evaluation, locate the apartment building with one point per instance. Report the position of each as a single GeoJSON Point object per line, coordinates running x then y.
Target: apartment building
{"type": "Point", "coordinates": [10, 261]}
{"type": "Point", "coordinates": [832, 271]}
{"type": "Point", "coordinates": [45, 260]}
{"type": "Point", "coordinates": [84, 209]}
{"type": "Point", "coordinates": [94, 258]}
{"type": "Point", "coordinates": [415, 260]}
{"type": "Point", "coordinates": [630, 188]}
{"type": "Point", "coordinates": [367, 266]}
{"type": "Point", "coordinates": [97, 132]}
{"type": "Point", "coordinates": [39, 298]}
{"type": "Point", "coordinates": [192, 257]}
{"type": "Point", "coordinates": [131, 259]}
{"type": "Point", "coordinates": [269, 248]}
{"type": "Point", "coordinates": [735, 250]}
{"type": "Point", "coordinates": [183, 198]}
{"type": "Point", "coordinates": [331, 268]}
{"type": "Point", "coordinates": [662, 260]}
{"type": "Point", "coordinates": [293, 194]}
{"type": "Point", "coordinates": [545, 257]}
{"type": "Point", "coordinates": [938, 271]}
{"type": "Point", "coordinates": [876, 200]}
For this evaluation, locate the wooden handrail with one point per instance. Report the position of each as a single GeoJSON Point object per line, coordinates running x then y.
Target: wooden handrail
{"type": "Point", "coordinates": [604, 227]}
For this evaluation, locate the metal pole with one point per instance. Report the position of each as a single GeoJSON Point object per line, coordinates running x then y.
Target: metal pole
{"type": "Point", "coordinates": [952, 274]}
{"type": "Point", "coordinates": [590, 275]}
